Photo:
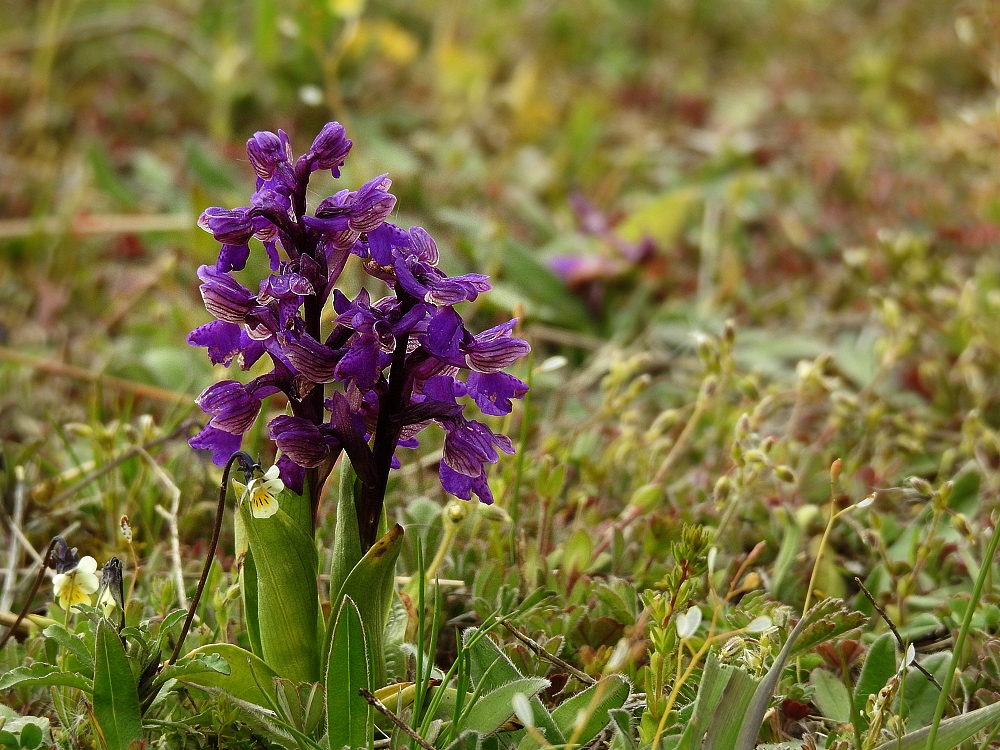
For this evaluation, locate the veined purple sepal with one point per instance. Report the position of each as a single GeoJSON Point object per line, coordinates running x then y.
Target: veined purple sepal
{"type": "Point", "coordinates": [233, 408]}
{"type": "Point", "coordinates": [225, 297]}
{"type": "Point", "coordinates": [301, 440]}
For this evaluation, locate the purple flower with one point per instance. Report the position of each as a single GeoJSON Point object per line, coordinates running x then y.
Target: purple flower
{"type": "Point", "coordinates": [462, 486]}
{"type": "Point", "coordinates": [495, 349]}
{"type": "Point", "coordinates": [493, 391]}
{"type": "Point", "coordinates": [330, 148]}
{"type": "Point", "coordinates": [224, 296]}
{"type": "Point", "coordinates": [386, 369]}
{"type": "Point", "coordinates": [301, 440]}
{"type": "Point", "coordinates": [222, 444]}
{"type": "Point", "coordinates": [268, 153]}
{"type": "Point", "coordinates": [232, 407]}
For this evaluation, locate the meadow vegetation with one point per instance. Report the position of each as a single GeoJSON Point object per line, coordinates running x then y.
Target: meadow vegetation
{"type": "Point", "coordinates": [753, 247]}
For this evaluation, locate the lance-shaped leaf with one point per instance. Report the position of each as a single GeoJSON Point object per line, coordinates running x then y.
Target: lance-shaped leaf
{"type": "Point", "coordinates": [880, 665]}
{"type": "Point", "coordinates": [951, 732]}
{"type": "Point", "coordinates": [248, 678]}
{"type": "Point", "coordinates": [74, 644]}
{"type": "Point", "coordinates": [39, 674]}
{"type": "Point", "coordinates": [347, 551]}
{"type": "Point", "coordinates": [589, 711]}
{"type": "Point", "coordinates": [492, 710]}
{"type": "Point", "coordinates": [116, 699]}
{"type": "Point", "coordinates": [492, 669]}
{"type": "Point", "coordinates": [827, 611]}
{"type": "Point", "coordinates": [370, 585]}
{"type": "Point", "coordinates": [348, 715]}
{"type": "Point", "coordinates": [287, 601]}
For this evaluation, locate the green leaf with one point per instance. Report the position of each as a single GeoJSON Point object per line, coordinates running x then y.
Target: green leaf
{"type": "Point", "coordinates": [39, 674]}
{"type": "Point", "coordinates": [831, 696]}
{"type": "Point", "coordinates": [287, 602]}
{"type": "Point", "coordinates": [169, 622]}
{"type": "Point", "coordinates": [595, 705]}
{"type": "Point", "coordinates": [248, 675]}
{"type": "Point", "coordinates": [194, 664]}
{"type": "Point", "coordinates": [494, 708]}
{"type": "Point", "coordinates": [880, 665]}
{"type": "Point", "coordinates": [72, 643]}
{"type": "Point", "coordinates": [248, 584]}
{"type": "Point", "coordinates": [116, 700]}
{"type": "Point", "coordinates": [920, 695]}
{"type": "Point", "coordinates": [733, 711]}
{"type": "Point", "coordinates": [713, 682]}
{"type": "Point", "coordinates": [348, 715]}
{"type": "Point", "coordinates": [829, 615]}
{"type": "Point", "coordinates": [370, 584]}
{"type": "Point", "coordinates": [491, 669]}
{"type": "Point", "coordinates": [347, 551]}
{"type": "Point", "coordinates": [467, 740]}
{"type": "Point", "coordinates": [31, 736]}
{"type": "Point", "coordinates": [951, 732]}
{"type": "Point", "coordinates": [624, 734]}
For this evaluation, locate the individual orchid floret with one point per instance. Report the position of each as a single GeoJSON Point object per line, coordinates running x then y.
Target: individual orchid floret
{"type": "Point", "coordinates": [233, 408]}
{"type": "Point", "coordinates": [225, 297]}
{"type": "Point", "coordinates": [261, 493]}
{"type": "Point", "coordinates": [301, 440]}
{"type": "Point", "coordinates": [269, 153]}
{"type": "Point", "coordinates": [330, 148]}
{"type": "Point", "coordinates": [77, 585]}
{"type": "Point", "coordinates": [230, 226]}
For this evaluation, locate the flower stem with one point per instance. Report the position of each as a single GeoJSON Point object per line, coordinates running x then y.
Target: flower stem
{"type": "Point", "coordinates": [386, 436]}
{"type": "Point", "coordinates": [220, 511]}
{"type": "Point", "coordinates": [956, 654]}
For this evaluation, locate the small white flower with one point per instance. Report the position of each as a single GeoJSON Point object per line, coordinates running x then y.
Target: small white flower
{"type": "Point", "coordinates": [759, 624]}
{"type": "Point", "coordinates": [262, 493]}
{"type": "Point", "coordinates": [77, 586]}
{"type": "Point", "coordinates": [688, 622]}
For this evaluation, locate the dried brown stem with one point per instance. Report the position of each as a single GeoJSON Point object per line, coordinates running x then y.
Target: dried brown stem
{"type": "Point", "coordinates": [583, 677]}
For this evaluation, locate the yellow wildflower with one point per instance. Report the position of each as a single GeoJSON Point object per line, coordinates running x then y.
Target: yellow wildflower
{"type": "Point", "coordinates": [76, 586]}
{"type": "Point", "coordinates": [262, 493]}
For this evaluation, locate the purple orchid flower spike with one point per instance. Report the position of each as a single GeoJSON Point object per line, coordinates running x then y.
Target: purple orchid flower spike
{"type": "Point", "coordinates": [369, 378]}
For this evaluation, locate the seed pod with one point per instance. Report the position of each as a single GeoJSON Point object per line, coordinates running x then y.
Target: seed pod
{"type": "Point", "coordinates": [784, 474]}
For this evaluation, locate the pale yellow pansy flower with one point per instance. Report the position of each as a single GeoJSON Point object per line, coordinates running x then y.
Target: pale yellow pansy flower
{"type": "Point", "coordinates": [262, 493]}
{"type": "Point", "coordinates": [78, 585]}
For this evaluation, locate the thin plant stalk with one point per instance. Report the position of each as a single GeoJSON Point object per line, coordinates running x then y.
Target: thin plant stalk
{"type": "Point", "coordinates": [956, 655]}
{"type": "Point", "coordinates": [220, 511]}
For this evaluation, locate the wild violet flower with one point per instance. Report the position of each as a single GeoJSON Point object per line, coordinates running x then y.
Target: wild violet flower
{"type": "Point", "coordinates": [262, 493]}
{"type": "Point", "coordinates": [367, 377]}
{"type": "Point", "coordinates": [77, 585]}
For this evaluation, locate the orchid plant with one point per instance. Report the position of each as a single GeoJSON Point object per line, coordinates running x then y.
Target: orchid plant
{"type": "Point", "coordinates": [361, 378]}
{"type": "Point", "coordinates": [384, 370]}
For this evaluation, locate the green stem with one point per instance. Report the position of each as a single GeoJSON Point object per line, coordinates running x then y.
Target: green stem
{"type": "Point", "coordinates": [977, 592]}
